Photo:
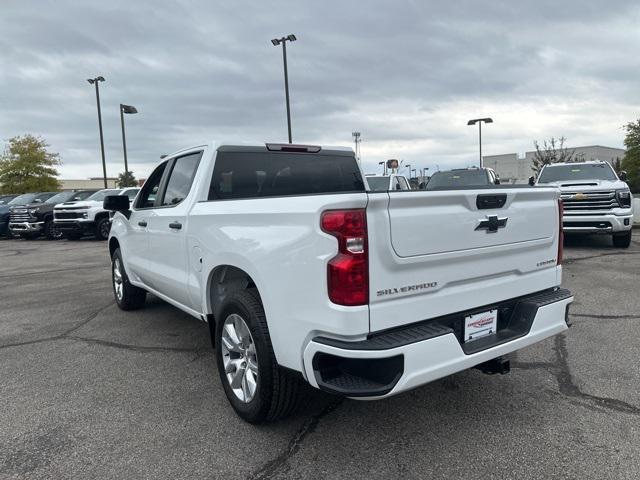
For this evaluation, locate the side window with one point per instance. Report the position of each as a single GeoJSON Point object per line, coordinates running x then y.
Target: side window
{"type": "Point", "coordinates": [403, 183]}
{"type": "Point", "coordinates": [181, 178]}
{"type": "Point", "coordinates": [147, 197]}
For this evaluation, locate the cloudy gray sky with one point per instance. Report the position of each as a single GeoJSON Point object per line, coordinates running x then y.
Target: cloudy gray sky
{"type": "Point", "coordinates": [407, 74]}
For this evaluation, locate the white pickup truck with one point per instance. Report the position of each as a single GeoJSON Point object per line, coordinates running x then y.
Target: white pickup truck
{"type": "Point", "coordinates": [595, 199]}
{"type": "Point", "coordinates": [303, 275]}
{"type": "Point", "coordinates": [77, 218]}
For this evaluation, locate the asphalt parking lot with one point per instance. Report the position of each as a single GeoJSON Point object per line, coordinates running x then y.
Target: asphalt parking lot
{"type": "Point", "coordinates": [89, 391]}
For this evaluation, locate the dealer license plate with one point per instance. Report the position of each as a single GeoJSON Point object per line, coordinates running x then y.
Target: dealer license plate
{"type": "Point", "coordinates": [480, 325]}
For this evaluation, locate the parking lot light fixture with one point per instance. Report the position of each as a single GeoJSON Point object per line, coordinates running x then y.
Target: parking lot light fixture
{"type": "Point", "coordinates": [96, 81]}
{"type": "Point", "coordinates": [479, 121]}
{"type": "Point", "coordinates": [128, 109]}
{"type": "Point", "coordinates": [283, 41]}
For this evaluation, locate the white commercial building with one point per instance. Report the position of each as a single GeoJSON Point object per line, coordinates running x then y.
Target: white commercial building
{"type": "Point", "coordinates": [513, 168]}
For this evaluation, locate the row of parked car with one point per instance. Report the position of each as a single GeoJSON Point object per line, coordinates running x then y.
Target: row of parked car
{"type": "Point", "coordinates": [596, 199]}
{"type": "Point", "coordinates": [55, 215]}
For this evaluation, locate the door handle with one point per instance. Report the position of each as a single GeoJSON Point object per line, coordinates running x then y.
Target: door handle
{"type": "Point", "coordinates": [142, 223]}
{"type": "Point", "coordinates": [175, 225]}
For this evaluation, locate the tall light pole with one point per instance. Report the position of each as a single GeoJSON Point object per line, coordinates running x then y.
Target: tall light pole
{"type": "Point", "coordinates": [384, 168]}
{"type": "Point", "coordinates": [479, 122]}
{"type": "Point", "coordinates": [128, 109]}
{"type": "Point", "coordinates": [408, 165]}
{"type": "Point", "coordinates": [96, 81]}
{"type": "Point", "coordinates": [414, 174]}
{"type": "Point", "coordinates": [283, 41]}
{"type": "Point", "coordinates": [357, 140]}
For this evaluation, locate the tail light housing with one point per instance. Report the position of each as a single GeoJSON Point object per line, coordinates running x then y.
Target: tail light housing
{"type": "Point", "coordinates": [560, 232]}
{"type": "Point", "coordinates": [348, 271]}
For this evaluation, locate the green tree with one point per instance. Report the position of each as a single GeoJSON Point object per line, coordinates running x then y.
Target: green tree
{"type": "Point", "coordinates": [126, 179]}
{"type": "Point", "coordinates": [27, 166]}
{"type": "Point", "coordinates": [553, 151]}
{"type": "Point", "coordinates": [631, 161]}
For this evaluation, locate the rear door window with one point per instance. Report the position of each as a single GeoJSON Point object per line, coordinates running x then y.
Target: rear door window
{"type": "Point", "coordinates": [269, 174]}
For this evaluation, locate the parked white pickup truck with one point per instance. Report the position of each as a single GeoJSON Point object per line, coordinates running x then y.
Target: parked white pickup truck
{"type": "Point", "coordinates": [595, 199]}
{"type": "Point", "coordinates": [75, 219]}
{"type": "Point", "coordinates": [303, 275]}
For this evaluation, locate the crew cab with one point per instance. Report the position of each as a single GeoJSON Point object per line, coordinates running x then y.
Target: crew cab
{"type": "Point", "coordinates": [595, 199]}
{"type": "Point", "coordinates": [383, 183]}
{"type": "Point", "coordinates": [36, 218]}
{"type": "Point", "coordinates": [305, 276]}
{"type": "Point", "coordinates": [73, 219]}
{"type": "Point", "coordinates": [21, 223]}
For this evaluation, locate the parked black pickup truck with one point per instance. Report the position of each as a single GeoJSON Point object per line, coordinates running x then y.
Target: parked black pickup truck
{"type": "Point", "coordinates": [35, 216]}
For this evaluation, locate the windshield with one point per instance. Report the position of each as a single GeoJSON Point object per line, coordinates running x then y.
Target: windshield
{"type": "Point", "coordinates": [580, 172]}
{"type": "Point", "coordinates": [60, 197]}
{"type": "Point", "coordinates": [6, 200]}
{"type": "Point", "coordinates": [457, 178]}
{"type": "Point", "coordinates": [98, 196]}
{"type": "Point", "coordinates": [378, 184]}
{"type": "Point", "coordinates": [23, 199]}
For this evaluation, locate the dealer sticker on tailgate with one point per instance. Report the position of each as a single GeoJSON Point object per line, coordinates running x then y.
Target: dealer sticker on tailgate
{"type": "Point", "coordinates": [480, 325]}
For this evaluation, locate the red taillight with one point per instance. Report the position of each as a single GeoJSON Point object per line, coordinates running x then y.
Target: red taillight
{"type": "Point", "coordinates": [560, 233]}
{"type": "Point", "coordinates": [348, 271]}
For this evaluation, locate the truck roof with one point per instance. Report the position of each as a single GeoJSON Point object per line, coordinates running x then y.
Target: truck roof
{"type": "Point", "coordinates": [262, 147]}
{"type": "Point", "coordinates": [586, 162]}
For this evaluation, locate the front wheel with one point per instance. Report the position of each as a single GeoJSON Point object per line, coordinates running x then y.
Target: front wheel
{"type": "Point", "coordinates": [622, 240]}
{"type": "Point", "coordinates": [128, 297]}
{"type": "Point", "coordinates": [102, 229]}
{"type": "Point", "coordinates": [257, 387]}
{"type": "Point", "coordinates": [51, 231]}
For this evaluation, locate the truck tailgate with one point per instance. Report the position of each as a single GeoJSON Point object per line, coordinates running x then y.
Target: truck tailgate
{"type": "Point", "coordinates": [439, 252]}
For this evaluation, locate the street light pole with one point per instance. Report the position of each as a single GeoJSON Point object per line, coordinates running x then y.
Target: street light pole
{"type": "Point", "coordinates": [96, 81]}
{"type": "Point", "coordinates": [479, 122]}
{"type": "Point", "coordinates": [129, 109]}
{"type": "Point", "coordinates": [283, 41]}
{"type": "Point", "coordinates": [357, 140]}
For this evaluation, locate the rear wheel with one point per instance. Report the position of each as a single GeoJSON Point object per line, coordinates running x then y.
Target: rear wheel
{"type": "Point", "coordinates": [128, 297]}
{"type": "Point", "coordinates": [622, 240]}
{"type": "Point", "coordinates": [103, 226]}
{"type": "Point", "coordinates": [257, 387]}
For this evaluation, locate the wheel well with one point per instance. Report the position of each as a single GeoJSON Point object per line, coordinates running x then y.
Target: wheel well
{"type": "Point", "coordinates": [223, 280]}
{"type": "Point", "coordinates": [113, 246]}
{"type": "Point", "coordinates": [101, 215]}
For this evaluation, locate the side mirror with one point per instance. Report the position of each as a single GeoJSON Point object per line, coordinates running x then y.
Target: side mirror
{"type": "Point", "coordinates": [116, 203]}
{"type": "Point", "coordinates": [532, 181]}
{"type": "Point", "coordinates": [623, 176]}
{"type": "Point", "coordinates": [497, 182]}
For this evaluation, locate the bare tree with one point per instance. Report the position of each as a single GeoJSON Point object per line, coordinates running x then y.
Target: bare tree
{"type": "Point", "coordinates": [553, 151]}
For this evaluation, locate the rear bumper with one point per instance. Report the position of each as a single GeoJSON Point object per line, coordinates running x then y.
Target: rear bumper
{"type": "Point", "coordinates": [393, 362]}
{"type": "Point", "coordinates": [26, 227]}
{"type": "Point", "coordinates": [598, 223]}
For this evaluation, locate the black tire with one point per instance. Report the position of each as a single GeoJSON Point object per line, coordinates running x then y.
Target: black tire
{"type": "Point", "coordinates": [72, 236]}
{"type": "Point", "coordinates": [622, 240]}
{"type": "Point", "coordinates": [131, 297]}
{"type": "Point", "coordinates": [279, 391]}
{"type": "Point", "coordinates": [51, 232]}
{"type": "Point", "coordinates": [102, 228]}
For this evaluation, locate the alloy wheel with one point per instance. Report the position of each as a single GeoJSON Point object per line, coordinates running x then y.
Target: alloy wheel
{"type": "Point", "coordinates": [239, 357]}
{"type": "Point", "coordinates": [117, 279]}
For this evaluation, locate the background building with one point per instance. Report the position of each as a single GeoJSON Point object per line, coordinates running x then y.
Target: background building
{"type": "Point", "coordinates": [94, 183]}
{"type": "Point", "coordinates": [513, 168]}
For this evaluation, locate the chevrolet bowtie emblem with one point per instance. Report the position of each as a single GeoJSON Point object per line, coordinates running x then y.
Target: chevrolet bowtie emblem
{"type": "Point", "coordinates": [579, 196]}
{"type": "Point", "coordinates": [492, 223]}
